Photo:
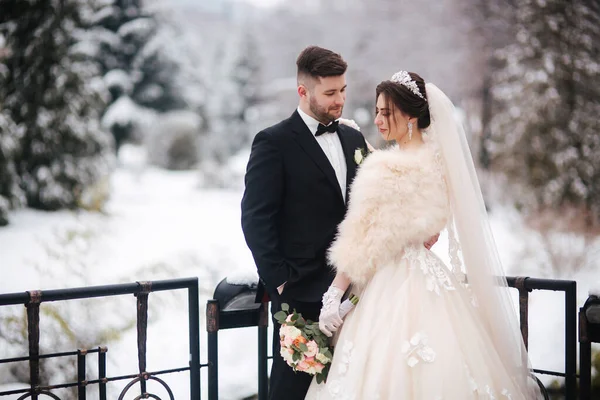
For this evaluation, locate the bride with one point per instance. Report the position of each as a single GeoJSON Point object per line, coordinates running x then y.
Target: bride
{"type": "Point", "coordinates": [420, 330]}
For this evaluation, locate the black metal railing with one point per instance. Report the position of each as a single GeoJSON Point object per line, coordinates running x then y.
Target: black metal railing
{"type": "Point", "coordinates": [230, 312]}
{"type": "Point", "coordinates": [525, 285]}
{"type": "Point", "coordinates": [32, 301]}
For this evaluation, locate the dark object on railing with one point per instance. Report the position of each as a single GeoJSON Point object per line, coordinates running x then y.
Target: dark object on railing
{"type": "Point", "coordinates": [589, 332]}
{"type": "Point", "coordinates": [234, 306]}
{"type": "Point", "coordinates": [525, 285]}
{"type": "Point", "coordinates": [233, 297]}
{"type": "Point", "coordinates": [32, 301]}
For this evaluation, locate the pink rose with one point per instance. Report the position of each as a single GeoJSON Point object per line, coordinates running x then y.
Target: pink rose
{"type": "Point", "coordinates": [318, 367]}
{"type": "Point", "coordinates": [313, 349]}
{"type": "Point", "coordinates": [289, 334]}
{"type": "Point", "coordinates": [303, 366]}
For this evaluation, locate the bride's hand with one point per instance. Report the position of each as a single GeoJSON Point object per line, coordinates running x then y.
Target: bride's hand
{"type": "Point", "coordinates": [433, 240]}
{"type": "Point", "coordinates": [329, 318]}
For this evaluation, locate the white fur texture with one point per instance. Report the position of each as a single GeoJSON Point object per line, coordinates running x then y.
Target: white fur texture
{"type": "Point", "coordinates": [398, 198]}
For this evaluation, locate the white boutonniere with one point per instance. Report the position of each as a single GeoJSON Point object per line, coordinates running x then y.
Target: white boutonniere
{"type": "Point", "coordinates": [359, 156]}
{"type": "Point", "coordinates": [359, 153]}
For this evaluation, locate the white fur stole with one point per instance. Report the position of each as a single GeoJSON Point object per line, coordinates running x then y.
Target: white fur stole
{"type": "Point", "coordinates": [398, 198]}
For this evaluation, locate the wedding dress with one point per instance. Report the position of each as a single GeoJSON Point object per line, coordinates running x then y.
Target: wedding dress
{"type": "Point", "coordinates": [419, 331]}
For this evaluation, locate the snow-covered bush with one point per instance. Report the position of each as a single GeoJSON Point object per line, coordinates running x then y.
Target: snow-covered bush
{"type": "Point", "coordinates": [173, 140]}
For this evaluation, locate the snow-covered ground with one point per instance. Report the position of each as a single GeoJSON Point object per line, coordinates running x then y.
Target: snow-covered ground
{"type": "Point", "coordinates": [163, 225]}
{"type": "Point", "coordinates": [158, 225]}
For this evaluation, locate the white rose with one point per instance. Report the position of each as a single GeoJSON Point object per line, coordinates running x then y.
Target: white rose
{"type": "Point", "coordinates": [289, 332]}
{"type": "Point", "coordinates": [287, 355]}
{"type": "Point", "coordinates": [358, 156]}
{"type": "Point", "coordinates": [322, 358]}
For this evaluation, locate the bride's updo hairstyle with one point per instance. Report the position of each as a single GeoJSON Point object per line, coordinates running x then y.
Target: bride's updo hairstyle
{"type": "Point", "coordinates": [399, 90]}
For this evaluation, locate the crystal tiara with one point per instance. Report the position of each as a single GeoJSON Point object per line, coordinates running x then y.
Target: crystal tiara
{"type": "Point", "coordinates": [403, 78]}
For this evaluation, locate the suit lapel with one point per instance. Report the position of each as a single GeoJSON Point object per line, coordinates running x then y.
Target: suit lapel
{"type": "Point", "coordinates": [309, 144]}
{"type": "Point", "coordinates": [349, 149]}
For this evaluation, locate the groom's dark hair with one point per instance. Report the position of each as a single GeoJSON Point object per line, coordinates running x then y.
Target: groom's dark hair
{"type": "Point", "coordinates": [316, 62]}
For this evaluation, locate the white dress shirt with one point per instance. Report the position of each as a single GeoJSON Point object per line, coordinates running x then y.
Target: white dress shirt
{"type": "Point", "coordinates": [332, 147]}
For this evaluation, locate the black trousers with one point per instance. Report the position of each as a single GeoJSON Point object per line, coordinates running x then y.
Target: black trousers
{"type": "Point", "coordinates": [285, 384]}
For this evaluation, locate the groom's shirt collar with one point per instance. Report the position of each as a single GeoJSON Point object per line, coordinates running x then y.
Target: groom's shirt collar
{"type": "Point", "coordinates": [310, 122]}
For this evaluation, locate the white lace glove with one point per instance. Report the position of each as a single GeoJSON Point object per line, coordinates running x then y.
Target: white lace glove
{"type": "Point", "coordinates": [329, 319]}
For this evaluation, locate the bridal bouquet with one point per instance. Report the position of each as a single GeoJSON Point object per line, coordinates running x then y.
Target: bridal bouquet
{"type": "Point", "coordinates": [303, 346]}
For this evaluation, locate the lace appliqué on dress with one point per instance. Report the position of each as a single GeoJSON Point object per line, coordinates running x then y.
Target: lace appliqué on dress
{"type": "Point", "coordinates": [417, 350]}
{"type": "Point", "coordinates": [346, 357]}
{"type": "Point", "coordinates": [488, 393]}
{"type": "Point", "coordinates": [453, 252]}
{"type": "Point", "coordinates": [456, 263]}
{"type": "Point", "coordinates": [337, 390]}
{"type": "Point", "coordinates": [437, 276]}
{"type": "Point", "coordinates": [336, 387]}
{"type": "Point", "coordinates": [485, 392]}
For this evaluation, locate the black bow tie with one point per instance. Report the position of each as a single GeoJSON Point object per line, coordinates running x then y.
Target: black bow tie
{"type": "Point", "coordinates": [321, 129]}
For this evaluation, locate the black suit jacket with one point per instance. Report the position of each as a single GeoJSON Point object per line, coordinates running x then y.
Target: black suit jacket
{"type": "Point", "coordinates": [292, 206]}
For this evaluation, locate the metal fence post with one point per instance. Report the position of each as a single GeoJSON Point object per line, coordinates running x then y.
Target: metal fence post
{"type": "Point", "coordinates": [263, 345]}
{"type": "Point", "coordinates": [194, 327]}
{"type": "Point", "coordinates": [523, 308]}
{"type": "Point", "coordinates": [585, 358]}
{"type": "Point", "coordinates": [33, 333]}
{"type": "Point", "coordinates": [212, 326]}
{"type": "Point", "coordinates": [102, 372]}
{"type": "Point", "coordinates": [571, 341]}
{"type": "Point", "coordinates": [142, 331]}
{"type": "Point", "coordinates": [81, 381]}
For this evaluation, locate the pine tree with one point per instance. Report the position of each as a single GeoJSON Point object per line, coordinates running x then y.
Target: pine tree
{"type": "Point", "coordinates": [53, 96]}
{"type": "Point", "coordinates": [545, 132]}
{"type": "Point", "coordinates": [11, 195]}
{"type": "Point", "coordinates": [236, 92]}
{"type": "Point", "coordinates": [9, 147]}
{"type": "Point", "coordinates": [245, 82]}
{"type": "Point", "coordinates": [492, 25]}
{"type": "Point", "coordinates": [135, 62]}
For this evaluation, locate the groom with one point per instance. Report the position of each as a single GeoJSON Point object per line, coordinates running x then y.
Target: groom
{"type": "Point", "coordinates": [296, 194]}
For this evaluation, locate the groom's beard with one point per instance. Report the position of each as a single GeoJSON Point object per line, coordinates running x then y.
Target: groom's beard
{"type": "Point", "coordinates": [323, 115]}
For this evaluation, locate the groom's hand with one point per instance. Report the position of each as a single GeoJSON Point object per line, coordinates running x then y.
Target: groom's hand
{"type": "Point", "coordinates": [429, 244]}
{"type": "Point", "coordinates": [329, 319]}
{"type": "Point", "coordinates": [280, 288]}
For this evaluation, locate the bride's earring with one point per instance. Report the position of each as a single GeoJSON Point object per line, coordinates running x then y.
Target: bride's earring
{"type": "Point", "coordinates": [410, 125]}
